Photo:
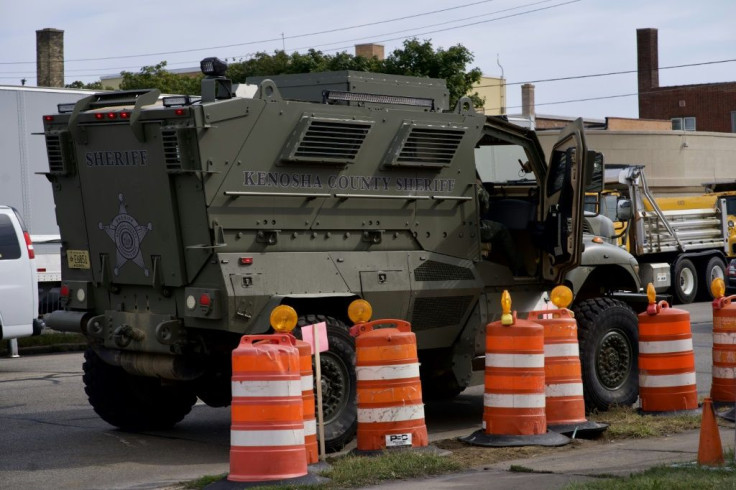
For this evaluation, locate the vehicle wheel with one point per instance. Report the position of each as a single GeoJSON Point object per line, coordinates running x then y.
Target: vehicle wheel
{"type": "Point", "coordinates": [715, 268]}
{"type": "Point", "coordinates": [608, 337]}
{"type": "Point", "coordinates": [339, 404]}
{"type": "Point", "coordinates": [685, 281]}
{"type": "Point", "coordinates": [133, 402]}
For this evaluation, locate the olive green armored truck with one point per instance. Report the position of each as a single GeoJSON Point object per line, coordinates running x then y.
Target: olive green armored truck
{"type": "Point", "coordinates": [185, 221]}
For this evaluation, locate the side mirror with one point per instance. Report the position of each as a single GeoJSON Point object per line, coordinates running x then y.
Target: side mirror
{"type": "Point", "coordinates": [594, 172]}
{"type": "Point", "coordinates": [623, 210]}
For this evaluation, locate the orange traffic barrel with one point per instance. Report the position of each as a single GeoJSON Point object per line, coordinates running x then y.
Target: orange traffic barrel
{"type": "Point", "coordinates": [723, 386]}
{"type": "Point", "coordinates": [514, 400]}
{"type": "Point", "coordinates": [307, 384]}
{"type": "Point", "coordinates": [666, 360]}
{"type": "Point", "coordinates": [267, 432]}
{"type": "Point", "coordinates": [564, 401]}
{"type": "Point", "coordinates": [389, 393]}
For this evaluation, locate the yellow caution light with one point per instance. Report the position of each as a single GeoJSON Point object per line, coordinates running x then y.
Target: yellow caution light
{"type": "Point", "coordinates": [360, 311]}
{"type": "Point", "coordinates": [506, 317]}
{"type": "Point", "coordinates": [718, 288]}
{"type": "Point", "coordinates": [651, 294]}
{"type": "Point", "coordinates": [283, 318]}
{"type": "Point", "coordinates": [561, 296]}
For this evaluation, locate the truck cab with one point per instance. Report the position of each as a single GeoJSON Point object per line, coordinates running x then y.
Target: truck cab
{"type": "Point", "coordinates": [18, 284]}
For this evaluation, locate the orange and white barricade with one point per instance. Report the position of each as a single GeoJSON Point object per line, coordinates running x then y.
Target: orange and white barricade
{"type": "Point", "coordinates": [389, 393]}
{"type": "Point", "coordinates": [514, 397]}
{"type": "Point", "coordinates": [307, 383]}
{"type": "Point", "coordinates": [723, 386]}
{"type": "Point", "coordinates": [267, 432]}
{"type": "Point", "coordinates": [564, 401]}
{"type": "Point", "coordinates": [666, 360]}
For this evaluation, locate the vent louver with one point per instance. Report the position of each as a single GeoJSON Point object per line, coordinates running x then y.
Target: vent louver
{"type": "Point", "coordinates": [422, 146]}
{"type": "Point", "coordinates": [55, 153]}
{"type": "Point", "coordinates": [439, 311]}
{"type": "Point", "coordinates": [172, 153]}
{"type": "Point", "coordinates": [326, 140]}
{"type": "Point", "coordinates": [439, 271]}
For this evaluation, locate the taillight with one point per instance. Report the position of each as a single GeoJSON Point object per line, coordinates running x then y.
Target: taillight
{"type": "Point", "coordinates": [48, 118]}
{"type": "Point", "coordinates": [29, 245]}
{"type": "Point", "coordinates": [205, 303]}
{"type": "Point", "coordinates": [112, 115]}
{"type": "Point", "coordinates": [125, 115]}
{"type": "Point", "coordinates": [180, 112]}
{"type": "Point", "coordinates": [64, 291]}
{"type": "Point", "coordinates": [99, 116]}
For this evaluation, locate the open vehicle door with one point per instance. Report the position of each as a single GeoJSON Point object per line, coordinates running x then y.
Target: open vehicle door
{"type": "Point", "coordinates": [572, 169]}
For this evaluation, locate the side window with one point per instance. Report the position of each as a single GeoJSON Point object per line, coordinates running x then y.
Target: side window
{"type": "Point", "coordinates": [9, 246]}
{"type": "Point", "coordinates": [558, 170]}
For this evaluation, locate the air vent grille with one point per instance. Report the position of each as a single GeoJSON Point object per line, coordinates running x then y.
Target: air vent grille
{"type": "Point", "coordinates": [328, 141]}
{"type": "Point", "coordinates": [55, 153]}
{"type": "Point", "coordinates": [172, 153]}
{"type": "Point", "coordinates": [439, 271]}
{"type": "Point", "coordinates": [433, 147]}
{"type": "Point", "coordinates": [439, 312]}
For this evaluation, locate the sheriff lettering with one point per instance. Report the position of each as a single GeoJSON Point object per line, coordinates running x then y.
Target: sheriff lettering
{"type": "Point", "coordinates": [283, 180]}
{"type": "Point", "coordinates": [123, 158]}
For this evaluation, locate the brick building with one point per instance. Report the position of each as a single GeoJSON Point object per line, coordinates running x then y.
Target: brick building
{"type": "Point", "coordinates": [701, 107]}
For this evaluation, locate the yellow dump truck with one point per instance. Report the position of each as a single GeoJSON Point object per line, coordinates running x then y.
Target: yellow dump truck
{"type": "Point", "coordinates": [689, 237]}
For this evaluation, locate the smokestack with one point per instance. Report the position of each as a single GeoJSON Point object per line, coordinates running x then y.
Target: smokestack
{"type": "Point", "coordinates": [647, 56]}
{"type": "Point", "coordinates": [369, 50]}
{"type": "Point", "coordinates": [527, 100]}
{"type": "Point", "coordinates": [50, 58]}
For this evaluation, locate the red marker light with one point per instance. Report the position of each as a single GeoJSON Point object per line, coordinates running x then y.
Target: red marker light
{"type": "Point", "coordinates": [205, 300]}
{"type": "Point", "coordinates": [48, 118]}
{"type": "Point", "coordinates": [125, 115]}
{"type": "Point", "coordinates": [180, 112]}
{"type": "Point", "coordinates": [64, 291]}
{"type": "Point", "coordinates": [246, 260]}
{"type": "Point", "coordinates": [29, 245]}
{"type": "Point", "coordinates": [99, 116]}
{"type": "Point", "coordinates": [112, 115]}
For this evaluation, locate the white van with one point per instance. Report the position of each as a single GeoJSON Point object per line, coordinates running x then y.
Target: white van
{"type": "Point", "coordinates": [18, 281]}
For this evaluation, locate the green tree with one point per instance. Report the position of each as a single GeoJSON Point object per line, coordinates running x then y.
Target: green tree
{"type": "Point", "coordinates": [159, 77]}
{"type": "Point", "coordinates": [415, 58]}
{"type": "Point", "coordinates": [90, 86]}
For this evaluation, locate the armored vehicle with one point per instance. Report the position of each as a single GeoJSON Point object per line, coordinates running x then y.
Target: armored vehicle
{"type": "Point", "coordinates": [184, 222]}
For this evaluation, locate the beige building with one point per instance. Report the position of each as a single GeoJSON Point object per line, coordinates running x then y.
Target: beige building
{"type": "Point", "coordinates": [676, 161]}
{"type": "Point", "coordinates": [494, 91]}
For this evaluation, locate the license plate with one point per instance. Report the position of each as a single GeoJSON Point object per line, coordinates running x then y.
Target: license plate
{"type": "Point", "coordinates": [77, 259]}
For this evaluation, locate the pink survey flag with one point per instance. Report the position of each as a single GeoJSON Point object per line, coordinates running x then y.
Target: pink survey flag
{"type": "Point", "coordinates": [321, 335]}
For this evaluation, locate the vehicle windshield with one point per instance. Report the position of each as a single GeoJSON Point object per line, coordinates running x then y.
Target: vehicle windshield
{"type": "Point", "coordinates": [502, 164]}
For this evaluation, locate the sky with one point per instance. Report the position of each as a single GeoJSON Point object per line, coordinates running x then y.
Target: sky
{"type": "Point", "coordinates": [523, 40]}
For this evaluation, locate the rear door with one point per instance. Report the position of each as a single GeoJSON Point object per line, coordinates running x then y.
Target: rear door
{"type": "Point", "coordinates": [18, 306]}
{"type": "Point", "coordinates": [564, 192]}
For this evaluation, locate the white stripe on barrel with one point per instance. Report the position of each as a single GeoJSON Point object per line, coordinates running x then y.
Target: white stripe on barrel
{"type": "Point", "coordinates": [514, 360]}
{"type": "Point", "coordinates": [397, 371]}
{"type": "Point", "coordinates": [561, 350]}
{"type": "Point", "coordinates": [496, 400]}
{"type": "Point", "coordinates": [667, 380]}
{"type": "Point", "coordinates": [391, 414]}
{"type": "Point", "coordinates": [254, 389]}
{"type": "Point", "coordinates": [268, 437]}
{"type": "Point", "coordinates": [666, 346]}
{"type": "Point", "coordinates": [564, 389]}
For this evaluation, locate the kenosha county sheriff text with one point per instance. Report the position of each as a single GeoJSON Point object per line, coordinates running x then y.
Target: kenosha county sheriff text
{"type": "Point", "coordinates": [345, 182]}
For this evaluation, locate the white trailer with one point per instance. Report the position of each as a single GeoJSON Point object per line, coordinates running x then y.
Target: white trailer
{"type": "Point", "coordinates": [22, 184]}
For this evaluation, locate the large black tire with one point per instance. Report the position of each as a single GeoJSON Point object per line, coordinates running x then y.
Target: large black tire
{"type": "Point", "coordinates": [132, 402]}
{"type": "Point", "coordinates": [714, 268]}
{"type": "Point", "coordinates": [338, 382]}
{"type": "Point", "coordinates": [609, 350]}
{"type": "Point", "coordinates": [684, 281]}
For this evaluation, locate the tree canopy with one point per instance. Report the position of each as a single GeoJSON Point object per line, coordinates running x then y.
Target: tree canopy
{"type": "Point", "coordinates": [416, 58]}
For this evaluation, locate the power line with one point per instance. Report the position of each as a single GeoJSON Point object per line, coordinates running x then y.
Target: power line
{"type": "Point", "coordinates": [406, 36]}
{"type": "Point", "coordinates": [280, 38]}
{"type": "Point", "coordinates": [593, 75]}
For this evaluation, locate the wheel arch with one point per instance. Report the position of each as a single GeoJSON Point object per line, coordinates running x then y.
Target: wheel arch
{"type": "Point", "coordinates": [599, 280]}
